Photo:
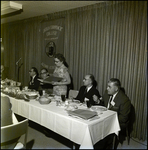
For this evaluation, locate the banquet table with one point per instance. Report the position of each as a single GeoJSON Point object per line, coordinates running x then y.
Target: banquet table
{"type": "Point", "coordinates": [83, 132]}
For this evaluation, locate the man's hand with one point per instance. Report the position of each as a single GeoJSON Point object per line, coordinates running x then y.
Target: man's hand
{"type": "Point", "coordinates": [86, 99]}
{"type": "Point", "coordinates": [95, 98]}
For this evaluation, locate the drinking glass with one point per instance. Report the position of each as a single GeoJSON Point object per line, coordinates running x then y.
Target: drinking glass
{"type": "Point", "coordinates": [40, 92]}
{"type": "Point", "coordinates": [63, 98]}
{"type": "Point", "coordinates": [88, 104]}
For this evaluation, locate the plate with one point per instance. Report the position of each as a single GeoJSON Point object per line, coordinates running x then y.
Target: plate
{"type": "Point", "coordinates": [98, 108]}
{"type": "Point", "coordinates": [76, 101]}
{"type": "Point", "coordinates": [72, 107]}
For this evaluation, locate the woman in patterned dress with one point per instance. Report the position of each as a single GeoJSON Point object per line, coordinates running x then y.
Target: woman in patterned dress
{"type": "Point", "coordinates": [61, 70]}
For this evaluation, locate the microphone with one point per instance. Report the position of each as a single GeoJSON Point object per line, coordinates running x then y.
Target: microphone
{"type": "Point", "coordinates": [18, 61]}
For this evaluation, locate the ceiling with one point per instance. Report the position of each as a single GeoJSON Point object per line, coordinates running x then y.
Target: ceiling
{"type": "Point", "coordinates": [38, 8]}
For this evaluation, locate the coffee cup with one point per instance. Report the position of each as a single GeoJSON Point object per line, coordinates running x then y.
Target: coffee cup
{"type": "Point", "coordinates": [26, 88]}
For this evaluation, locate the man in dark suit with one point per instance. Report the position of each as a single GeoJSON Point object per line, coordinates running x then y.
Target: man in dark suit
{"type": "Point", "coordinates": [34, 82]}
{"type": "Point", "coordinates": [88, 92]}
{"type": "Point", "coordinates": [115, 99]}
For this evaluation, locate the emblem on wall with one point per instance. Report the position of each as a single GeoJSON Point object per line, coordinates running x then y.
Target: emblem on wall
{"type": "Point", "coordinates": [50, 49]}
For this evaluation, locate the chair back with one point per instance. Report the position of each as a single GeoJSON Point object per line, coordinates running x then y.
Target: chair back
{"type": "Point", "coordinates": [73, 93]}
{"type": "Point", "coordinates": [14, 131]}
{"type": "Point", "coordinates": [132, 118]}
{"type": "Point", "coordinates": [69, 86]}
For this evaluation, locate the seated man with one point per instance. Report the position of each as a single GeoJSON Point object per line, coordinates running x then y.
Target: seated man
{"type": "Point", "coordinates": [115, 99]}
{"type": "Point", "coordinates": [6, 119]}
{"type": "Point", "coordinates": [34, 82]}
{"type": "Point", "coordinates": [88, 91]}
{"type": "Point", "coordinates": [45, 86]}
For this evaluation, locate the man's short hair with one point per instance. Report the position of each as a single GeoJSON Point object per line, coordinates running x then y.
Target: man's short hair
{"type": "Point", "coordinates": [91, 77]}
{"type": "Point", "coordinates": [44, 69]}
{"type": "Point", "coordinates": [116, 82]}
{"type": "Point", "coordinates": [35, 70]}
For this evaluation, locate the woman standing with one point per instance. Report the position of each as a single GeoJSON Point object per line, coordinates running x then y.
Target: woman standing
{"type": "Point", "coordinates": [61, 70]}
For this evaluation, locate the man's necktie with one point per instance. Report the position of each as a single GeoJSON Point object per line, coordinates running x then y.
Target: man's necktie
{"type": "Point", "coordinates": [85, 91]}
{"type": "Point", "coordinates": [111, 97]}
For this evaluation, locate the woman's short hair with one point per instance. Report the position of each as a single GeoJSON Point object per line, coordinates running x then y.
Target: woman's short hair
{"type": "Point", "coordinates": [61, 58]}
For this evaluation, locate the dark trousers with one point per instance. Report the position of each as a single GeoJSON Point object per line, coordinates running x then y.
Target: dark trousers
{"type": "Point", "coordinates": [120, 138]}
{"type": "Point", "coordinates": [106, 143]}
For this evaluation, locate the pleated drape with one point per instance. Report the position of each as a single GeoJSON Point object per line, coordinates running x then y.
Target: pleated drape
{"type": "Point", "coordinates": [22, 40]}
{"type": "Point", "coordinates": [107, 40]}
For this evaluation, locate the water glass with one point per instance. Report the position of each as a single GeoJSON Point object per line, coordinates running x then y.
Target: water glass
{"type": "Point", "coordinates": [40, 92]}
{"type": "Point", "coordinates": [88, 104]}
{"type": "Point", "coordinates": [63, 97]}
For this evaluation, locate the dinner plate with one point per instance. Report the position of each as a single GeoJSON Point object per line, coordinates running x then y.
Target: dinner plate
{"type": "Point", "coordinates": [98, 108]}
{"type": "Point", "coordinates": [76, 101]}
{"type": "Point", "coordinates": [71, 107]}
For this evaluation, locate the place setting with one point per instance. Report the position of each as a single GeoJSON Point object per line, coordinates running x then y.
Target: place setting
{"type": "Point", "coordinates": [85, 110]}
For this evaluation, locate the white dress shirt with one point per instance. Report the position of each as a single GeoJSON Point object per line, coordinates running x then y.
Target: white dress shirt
{"type": "Point", "coordinates": [33, 79]}
{"type": "Point", "coordinates": [89, 88]}
{"type": "Point", "coordinates": [112, 102]}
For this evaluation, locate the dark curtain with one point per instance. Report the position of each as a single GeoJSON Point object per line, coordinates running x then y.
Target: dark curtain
{"type": "Point", "coordinates": [21, 40]}
{"type": "Point", "coordinates": [107, 40]}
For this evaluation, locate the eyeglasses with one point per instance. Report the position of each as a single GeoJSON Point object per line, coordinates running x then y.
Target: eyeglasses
{"type": "Point", "coordinates": [85, 79]}
{"type": "Point", "coordinates": [43, 72]}
{"type": "Point", "coordinates": [31, 71]}
{"type": "Point", "coordinates": [56, 61]}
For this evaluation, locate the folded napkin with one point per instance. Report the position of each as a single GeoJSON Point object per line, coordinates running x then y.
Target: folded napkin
{"type": "Point", "coordinates": [82, 113]}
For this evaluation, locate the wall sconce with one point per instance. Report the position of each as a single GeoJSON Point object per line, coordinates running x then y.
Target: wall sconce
{"type": "Point", "coordinates": [9, 7]}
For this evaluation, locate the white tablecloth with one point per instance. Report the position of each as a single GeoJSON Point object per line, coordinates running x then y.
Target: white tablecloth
{"type": "Point", "coordinates": [83, 132]}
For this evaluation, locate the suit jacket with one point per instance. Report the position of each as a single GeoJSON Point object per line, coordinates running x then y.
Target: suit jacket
{"type": "Point", "coordinates": [122, 106]}
{"type": "Point", "coordinates": [35, 84]}
{"type": "Point", "coordinates": [82, 94]}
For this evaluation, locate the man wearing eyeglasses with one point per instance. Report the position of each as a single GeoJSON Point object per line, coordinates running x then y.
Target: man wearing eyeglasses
{"type": "Point", "coordinates": [44, 73]}
{"type": "Point", "coordinates": [34, 82]}
{"type": "Point", "coordinates": [88, 91]}
{"type": "Point", "coordinates": [45, 86]}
